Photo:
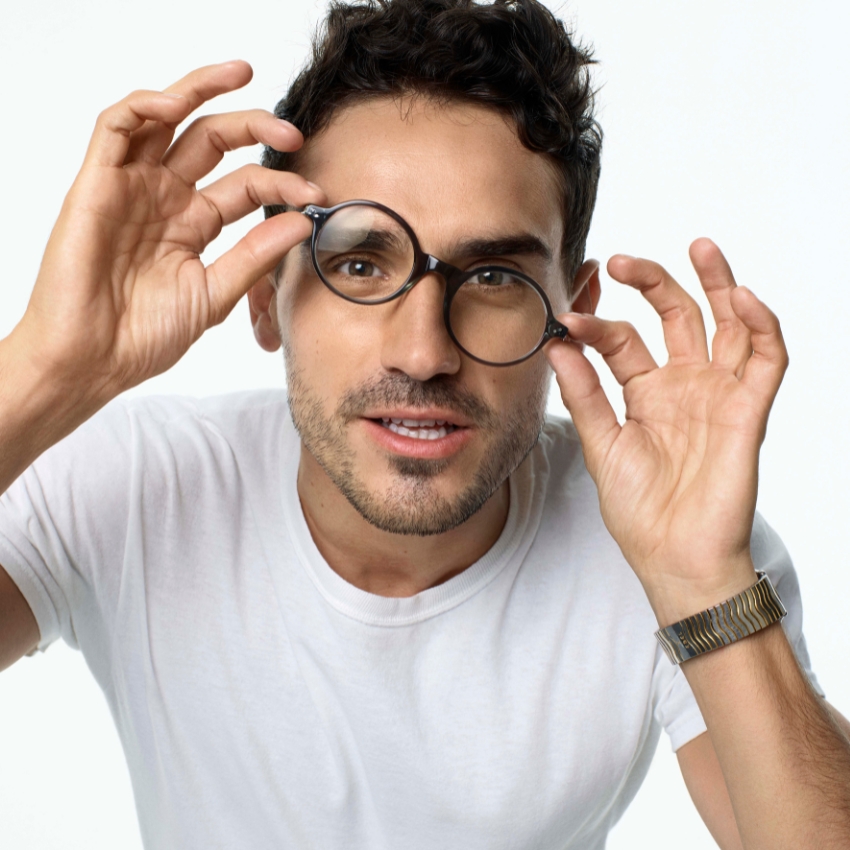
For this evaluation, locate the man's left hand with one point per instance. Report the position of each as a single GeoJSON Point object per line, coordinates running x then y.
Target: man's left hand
{"type": "Point", "coordinates": [678, 480]}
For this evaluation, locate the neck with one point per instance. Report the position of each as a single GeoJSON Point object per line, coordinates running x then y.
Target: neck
{"type": "Point", "coordinates": [389, 564]}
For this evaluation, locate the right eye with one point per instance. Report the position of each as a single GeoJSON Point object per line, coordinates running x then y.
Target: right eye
{"type": "Point", "coordinates": [359, 268]}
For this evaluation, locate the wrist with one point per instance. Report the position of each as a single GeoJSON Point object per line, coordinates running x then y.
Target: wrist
{"type": "Point", "coordinates": [673, 597]}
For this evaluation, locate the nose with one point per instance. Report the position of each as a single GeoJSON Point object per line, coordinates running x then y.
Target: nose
{"type": "Point", "coordinates": [415, 339]}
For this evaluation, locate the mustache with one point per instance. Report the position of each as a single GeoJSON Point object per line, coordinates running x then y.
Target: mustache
{"type": "Point", "coordinates": [404, 391]}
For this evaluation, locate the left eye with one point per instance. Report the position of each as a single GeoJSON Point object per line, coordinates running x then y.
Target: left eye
{"type": "Point", "coordinates": [492, 278]}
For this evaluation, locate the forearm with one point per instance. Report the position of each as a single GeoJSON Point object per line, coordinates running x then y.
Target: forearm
{"type": "Point", "coordinates": [36, 410]}
{"type": "Point", "coordinates": [785, 762]}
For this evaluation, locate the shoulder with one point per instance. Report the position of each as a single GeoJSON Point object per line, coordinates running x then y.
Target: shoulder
{"type": "Point", "coordinates": [235, 419]}
{"type": "Point", "coordinates": [231, 410]}
{"type": "Point", "coordinates": [154, 435]}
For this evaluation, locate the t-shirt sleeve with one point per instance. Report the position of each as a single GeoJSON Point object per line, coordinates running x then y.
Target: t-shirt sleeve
{"type": "Point", "coordinates": [675, 707]}
{"type": "Point", "coordinates": [63, 526]}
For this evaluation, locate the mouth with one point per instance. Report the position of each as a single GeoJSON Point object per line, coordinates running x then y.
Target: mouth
{"type": "Point", "coordinates": [418, 429]}
{"type": "Point", "coordinates": [434, 434]}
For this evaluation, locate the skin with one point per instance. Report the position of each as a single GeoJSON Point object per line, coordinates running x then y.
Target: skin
{"type": "Point", "coordinates": [407, 338]}
{"type": "Point", "coordinates": [122, 294]}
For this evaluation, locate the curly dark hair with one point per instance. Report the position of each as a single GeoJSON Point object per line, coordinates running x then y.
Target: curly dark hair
{"type": "Point", "coordinates": [513, 56]}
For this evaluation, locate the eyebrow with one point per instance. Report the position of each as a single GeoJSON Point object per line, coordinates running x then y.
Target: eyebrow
{"type": "Point", "coordinates": [517, 245]}
{"type": "Point", "coordinates": [379, 239]}
{"type": "Point", "coordinates": [374, 239]}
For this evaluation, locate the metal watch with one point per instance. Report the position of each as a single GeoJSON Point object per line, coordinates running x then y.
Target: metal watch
{"type": "Point", "coordinates": [744, 614]}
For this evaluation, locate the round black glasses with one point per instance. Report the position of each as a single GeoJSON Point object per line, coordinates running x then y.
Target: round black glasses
{"type": "Point", "coordinates": [366, 253]}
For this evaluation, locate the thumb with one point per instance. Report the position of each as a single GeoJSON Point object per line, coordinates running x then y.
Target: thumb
{"type": "Point", "coordinates": [254, 255]}
{"type": "Point", "coordinates": [584, 398]}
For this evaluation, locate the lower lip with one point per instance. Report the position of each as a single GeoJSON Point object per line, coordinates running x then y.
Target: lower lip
{"type": "Point", "coordinates": [442, 447]}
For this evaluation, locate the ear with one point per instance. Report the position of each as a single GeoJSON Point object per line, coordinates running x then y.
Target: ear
{"type": "Point", "coordinates": [262, 302]}
{"type": "Point", "coordinates": [587, 288]}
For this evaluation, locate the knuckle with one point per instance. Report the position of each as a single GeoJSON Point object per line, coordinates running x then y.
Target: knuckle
{"type": "Point", "coordinates": [683, 308]}
{"type": "Point", "coordinates": [135, 99]}
{"type": "Point", "coordinates": [623, 337]}
{"type": "Point", "coordinates": [655, 271]}
{"type": "Point", "coordinates": [103, 116]}
{"type": "Point", "coordinates": [113, 118]}
{"type": "Point", "coordinates": [136, 94]}
{"type": "Point", "coordinates": [687, 303]}
{"type": "Point", "coordinates": [254, 171]}
{"type": "Point", "coordinates": [253, 195]}
{"type": "Point", "coordinates": [217, 139]}
{"type": "Point", "coordinates": [208, 127]}
{"type": "Point", "coordinates": [652, 275]}
{"type": "Point", "coordinates": [117, 115]}
{"type": "Point", "coordinates": [122, 107]}
{"type": "Point", "coordinates": [252, 251]}
{"type": "Point", "coordinates": [199, 124]}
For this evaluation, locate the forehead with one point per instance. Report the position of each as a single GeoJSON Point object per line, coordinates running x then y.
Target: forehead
{"type": "Point", "coordinates": [450, 169]}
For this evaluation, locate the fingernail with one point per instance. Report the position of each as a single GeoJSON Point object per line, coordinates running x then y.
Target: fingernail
{"type": "Point", "coordinates": [314, 186]}
{"type": "Point", "coordinates": [175, 96]}
{"type": "Point", "coordinates": [287, 124]}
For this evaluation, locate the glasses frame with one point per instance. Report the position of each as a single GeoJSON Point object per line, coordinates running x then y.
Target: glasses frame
{"type": "Point", "coordinates": [424, 264]}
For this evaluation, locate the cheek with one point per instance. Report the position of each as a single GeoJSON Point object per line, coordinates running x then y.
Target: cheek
{"type": "Point", "coordinates": [515, 390]}
{"type": "Point", "coordinates": [334, 342]}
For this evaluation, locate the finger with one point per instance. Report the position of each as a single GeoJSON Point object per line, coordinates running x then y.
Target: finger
{"type": "Point", "coordinates": [731, 346]}
{"type": "Point", "coordinates": [110, 141]}
{"type": "Point", "coordinates": [681, 317]}
{"type": "Point", "coordinates": [766, 367]}
{"type": "Point", "coordinates": [198, 86]}
{"type": "Point", "coordinates": [204, 143]}
{"type": "Point", "coordinates": [210, 81]}
{"type": "Point", "coordinates": [618, 342]}
{"type": "Point", "coordinates": [252, 186]}
{"type": "Point", "coordinates": [256, 254]}
{"type": "Point", "coordinates": [584, 398]}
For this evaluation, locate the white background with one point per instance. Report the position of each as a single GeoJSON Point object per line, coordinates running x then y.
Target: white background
{"type": "Point", "coordinates": [722, 118]}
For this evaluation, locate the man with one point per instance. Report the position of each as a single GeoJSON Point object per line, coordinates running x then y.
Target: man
{"type": "Point", "coordinates": [404, 624]}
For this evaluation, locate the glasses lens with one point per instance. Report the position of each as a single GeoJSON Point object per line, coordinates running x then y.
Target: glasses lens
{"type": "Point", "coordinates": [364, 254]}
{"type": "Point", "coordinates": [497, 317]}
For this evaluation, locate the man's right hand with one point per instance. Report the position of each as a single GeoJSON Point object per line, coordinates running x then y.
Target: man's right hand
{"type": "Point", "coordinates": [122, 292]}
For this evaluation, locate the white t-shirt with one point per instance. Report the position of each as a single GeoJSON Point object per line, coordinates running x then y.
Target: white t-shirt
{"type": "Point", "coordinates": [264, 702]}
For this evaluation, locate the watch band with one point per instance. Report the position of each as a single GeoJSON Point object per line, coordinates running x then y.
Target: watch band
{"type": "Point", "coordinates": [744, 614]}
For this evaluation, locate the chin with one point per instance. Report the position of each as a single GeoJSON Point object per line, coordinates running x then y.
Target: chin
{"type": "Point", "coordinates": [415, 505]}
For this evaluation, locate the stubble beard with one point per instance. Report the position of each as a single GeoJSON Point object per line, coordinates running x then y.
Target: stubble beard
{"type": "Point", "coordinates": [413, 505]}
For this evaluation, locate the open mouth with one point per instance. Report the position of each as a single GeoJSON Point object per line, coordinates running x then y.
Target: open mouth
{"type": "Point", "coordinates": [418, 429]}
{"type": "Point", "coordinates": [433, 434]}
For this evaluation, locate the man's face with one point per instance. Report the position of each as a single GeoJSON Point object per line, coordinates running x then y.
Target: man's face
{"type": "Point", "coordinates": [457, 174]}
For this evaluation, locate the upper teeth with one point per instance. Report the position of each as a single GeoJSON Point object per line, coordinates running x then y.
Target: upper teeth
{"type": "Point", "coordinates": [425, 429]}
